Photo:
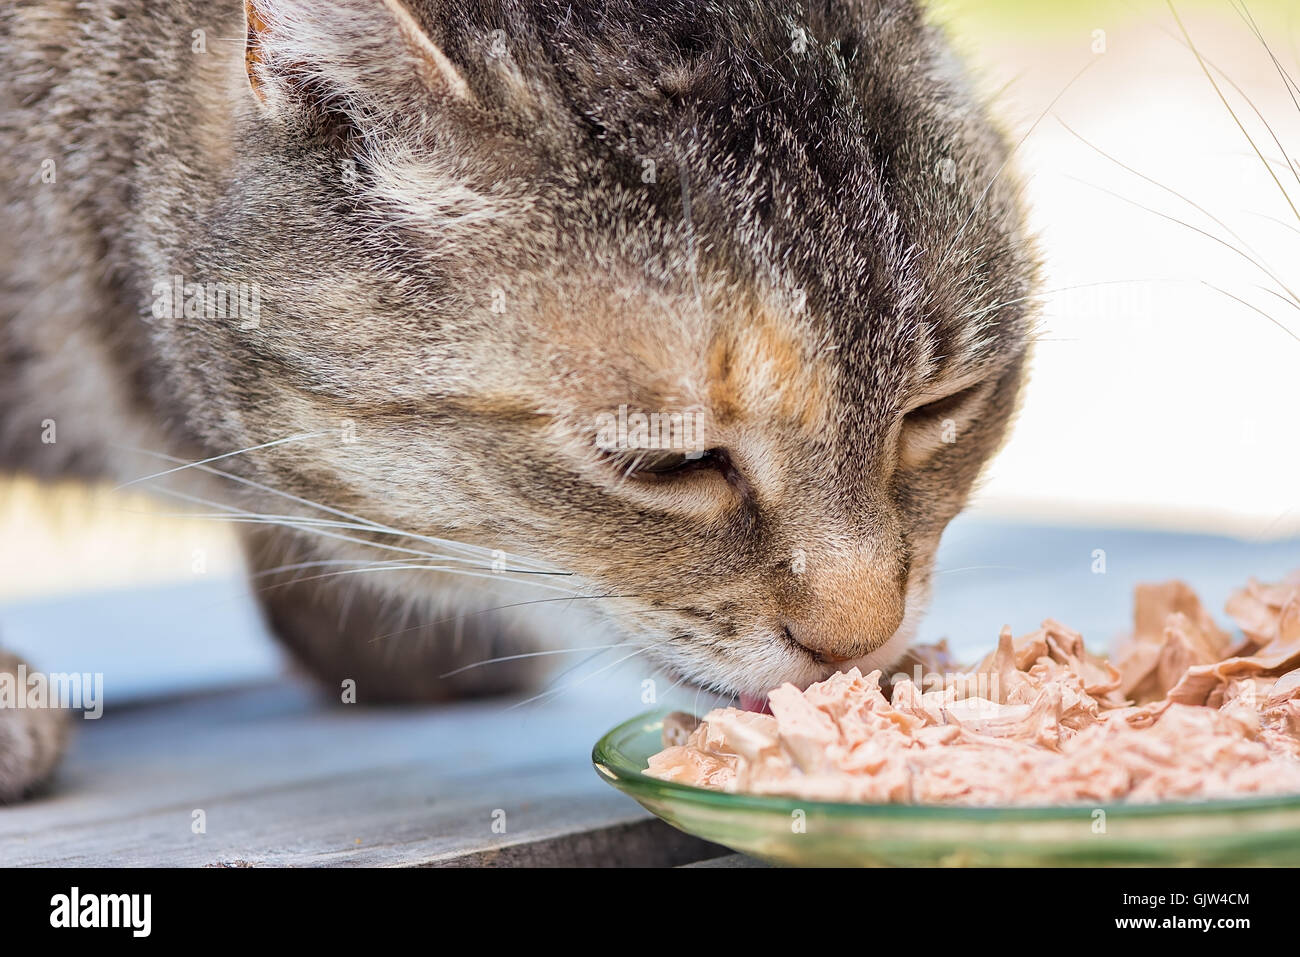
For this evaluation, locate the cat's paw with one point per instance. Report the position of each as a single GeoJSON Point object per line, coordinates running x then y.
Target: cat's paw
{"type": "Point", "coordinates": [32, 740]}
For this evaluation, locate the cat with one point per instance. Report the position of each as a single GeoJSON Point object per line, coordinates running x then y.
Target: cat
{"type": "Point", "coordinates": [410, 279]}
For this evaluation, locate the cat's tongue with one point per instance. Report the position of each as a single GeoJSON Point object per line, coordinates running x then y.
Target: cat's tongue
{"type": "Point", "coordinates": [749, 702]}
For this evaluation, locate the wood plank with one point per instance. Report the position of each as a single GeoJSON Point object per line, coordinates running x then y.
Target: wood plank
{"type": "Point", "coordinates": [727, 861]}
{"type": "Point", "coordinates": [284, 778]}
{"type": "Point", "coordinates": [648, 843]}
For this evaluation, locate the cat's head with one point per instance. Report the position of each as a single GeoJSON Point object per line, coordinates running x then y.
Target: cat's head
{"type": "Point", "coordinates": [489, 236]}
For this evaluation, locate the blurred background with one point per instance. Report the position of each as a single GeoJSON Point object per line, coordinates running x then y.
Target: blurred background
{"type": "Point", "coordinates": [1164, 387]}
{"type": "Point", "coordinates": [1158, 398]}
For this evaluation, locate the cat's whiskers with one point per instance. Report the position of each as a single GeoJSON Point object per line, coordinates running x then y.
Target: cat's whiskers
{"type": "Point", "coordinates": [1250, 305]}
{"type": "Point", "coordinates": [979, 205]}
{"type": "Point", "coordinates": [1278, 295]}
{"type": "Point", "coordinates": [1249, 18]}
{"type": "Point", "coordinates": [1218, 239]}
{"type": "Point", "coordinates": [1287, 82]}
{"type": "Point", "coordinates": [977, 568]}
{"type": "Point", "coordinates": [1231, 112]}
{"type": "Point", "coordinates": [360, 566]}
{"type": "Point", "coordinates": [493, 558]}
{"type": "Point", "coordinates": [453, 569]}
{"type": "Point", "coordinates": [1274, 219]}
{"type": "Point", "coordinates": [1047, 293]}
{"type": "Point", "coordinates": [308, 525]}
{"type": "Point", "coordinates": [328, 563]}
{"type": "Point", "coordinates": [560, 676]}
{"type": "Point", "coordinates": [672, 687]}
{"type": "Point", "coordinates": [242, 516]}
{"type": "Point", "coordinates": [369, 524]}
{"type": "Point", "coordinates": [488, 611]}
{"type": "Point", "coordinates": [1254, 254]}
{"type": "Point", "coordinates": [216, 458]}
{"type": "Point", "coordinates": [581, 681]}
{"type": "Point", "coordinates": [524, 655]}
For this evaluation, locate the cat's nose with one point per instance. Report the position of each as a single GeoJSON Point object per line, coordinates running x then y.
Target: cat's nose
{"type": "Point", "coordinates": [835, 639]}
{"type": "Point", "coordinates": [820, 649]}
{"type": "Point", "coordinates": [848, 610]}
{"type": "Point", "coordinates": [837, 643]}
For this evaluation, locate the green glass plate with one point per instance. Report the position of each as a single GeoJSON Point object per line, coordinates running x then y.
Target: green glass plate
{"type": "Point", "coordinates": [1253, 831]}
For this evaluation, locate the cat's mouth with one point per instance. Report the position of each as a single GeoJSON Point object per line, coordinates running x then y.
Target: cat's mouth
{"type": "Point", "coordinates": [882, 659]}
{"type": "Point", "coordinates": [743, 700]}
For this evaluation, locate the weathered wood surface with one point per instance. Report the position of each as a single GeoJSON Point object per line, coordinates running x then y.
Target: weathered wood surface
{"type": "Point", "coordinates": [283, 778]}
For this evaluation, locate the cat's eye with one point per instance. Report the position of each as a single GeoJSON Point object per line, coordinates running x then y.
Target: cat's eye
{"type": "Point", "coordinates": [929, 426]}
{"type": "Point", "coordinates": [655, 464]}
{"type": "Point", "coordinates": [667, 468]}
{"type": "Point", "coordinates": [666, 463]}
{"type": "Point", "coordinates": [945, 405]}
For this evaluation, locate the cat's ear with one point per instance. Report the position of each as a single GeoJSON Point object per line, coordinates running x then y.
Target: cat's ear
{"type": "Point", "coordinates": [367, 50]}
